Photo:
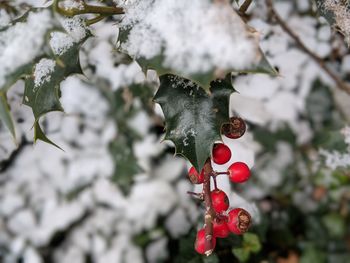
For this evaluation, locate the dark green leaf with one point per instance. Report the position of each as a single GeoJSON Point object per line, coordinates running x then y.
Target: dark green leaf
{"type": "Point", "coordinates": [252, 242]}
{"type": "Point", "coordinates": [40, 135]}
{"type": "Point", "coordinates": [5, 114]}
{"type": "Point", "coordinates": [125, 163]}
{"type": "Point", "coordinates": [242, 254]}
{"type": "Point", "coordinates": [193, 117]}
{"type": "Point", "coordinates": [335, 225]}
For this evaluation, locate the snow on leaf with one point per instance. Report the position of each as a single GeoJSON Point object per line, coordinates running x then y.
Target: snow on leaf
{"type": "Point", "coordinates": [43, 71]}
{"type": "Point", "coordinates": [42, 89]}
{"type": "Point", "coordinates": [156, 33]}
{"type": "Point", "coordinates": [19, 48]}
{"type": "Point", "coordinates": [338, 15]}
{"type": "Point", "coordinates": [193, 118]}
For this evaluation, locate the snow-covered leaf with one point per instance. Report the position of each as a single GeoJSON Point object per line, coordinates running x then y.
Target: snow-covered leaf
{"type": "Point", "coordinates": [193, 117]}
{"type": "Point", "coordinates": [337, 14]}
{"type": "Point", "coordinates": [42, 88]}
{"type": "Point", "coordinates": [157, 34]}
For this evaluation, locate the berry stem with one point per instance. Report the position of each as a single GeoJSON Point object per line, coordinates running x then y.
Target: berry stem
{"type": "Point", "coordinates": [215, 184]}
{"type": "Point", "coordinates": [197, 195]}
{"type": "Point", "coordinates": [209, 211]}
{"type": "Point", "coordinates": [218, 173]}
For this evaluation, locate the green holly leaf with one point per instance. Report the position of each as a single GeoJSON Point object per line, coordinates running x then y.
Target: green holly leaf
{"type": "Point", "coordinates": [336, 13]}
{"type": "Point", "coordinates": [325, 12]}
{"type": "Point", "coordinates": [125, 163]}
{"type": "Point", "coordinates": [14, 67]}
{"type": "Point", "coordinates": [335, 224]}
{"type": "Point", "coordinates": [252, 242]}
{"type": "Point", "coordinates": [184, 64]}
{"type": "Point", "coordinates": [193, 117]}
{"type": "Point", "coordinates": [5, 114]}
{"type": "Point", "coordinates": [42, 87]}
{"type": "Point", "coordinates": [242, 254]}
{"type": "Point", "coordinates": [40, 135]}
{"type": "Point", "coordinates": [41, 92]}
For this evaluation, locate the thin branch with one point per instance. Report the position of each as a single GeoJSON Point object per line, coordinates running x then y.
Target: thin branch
{"type": "Point", "coordinates": [219, 173]}
{"type": "Point", "coordinates": [199, 196]}
{"type": "Point", "coordinates": [244, 7]}
{"type": "Point", "coordinates": [5, 164]}
{"type": "Point", "coordinates": [87, 9]}
{"type": "Point", "coordinates": [340, 83]}
{"type": "Point", "coordinates": [209, 211]}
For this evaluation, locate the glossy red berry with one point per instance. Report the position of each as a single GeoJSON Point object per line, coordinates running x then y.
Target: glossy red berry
{"type": "Point", "coordinates": [220, 227]}
{"type": "Point", "coordinates": [195, 177]}
{"type": "Point", "coordinates": [199, 244]}
{"type": "Point", "coordinates": [239, 221]}
{"type": "Point", "coordinates": [219, 200]}
{"type": "Point", "coordinates": [238, 172]}
{"type": "Point", "coordinates": [234, 129]}
{"type": "Point", "coordinates": [221, 153]}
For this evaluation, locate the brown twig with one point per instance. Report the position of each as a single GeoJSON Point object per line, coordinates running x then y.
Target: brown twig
{"type": "Point", "coordinates": [340, 83]}
{"type": "Point", "coordinates": [209, 211]}
{"type": "Point", "coordinates": [199, 196]}
{"type": "Point", "coordinates": [244, 7]}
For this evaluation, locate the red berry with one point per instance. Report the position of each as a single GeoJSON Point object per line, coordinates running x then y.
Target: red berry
{"type": "Point", "coordinates": [239, 221]}
{"type": "Point", "coordinates": [199, 245]}
{"type": "Point", "coordinates": [195, 177]}
{"type": "Point", "coordinates": [220, 228]}
{"type": "Point", "coordinates": [234, 129]}
{"type": "Point", "coordinates": [219, 200]}
{"type": "Point", "coordinates": [221, 153]}
{"type": "Point", "coordinates": [238, 172]}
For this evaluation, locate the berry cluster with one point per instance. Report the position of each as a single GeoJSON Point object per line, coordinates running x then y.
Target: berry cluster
{"type": "Point", "coordinates": [219, 222]}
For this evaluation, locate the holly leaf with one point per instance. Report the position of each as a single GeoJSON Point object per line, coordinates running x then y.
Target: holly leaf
{"type": "Point", "coordinates": [194, 117]}
{"type": "Point", "coordinates": [42, 88]}
{"type": "Point", "coordinates": [173, 52]}
{"type": "Point", "coordinates": [14, 66]}
{"type": "Point", "coordinates": [241, 253]}
{"type": "Point", "coordinates": [125, 163]}
{"type": "Point", "coordinates": [40, 135]}
{"type": "Point", "coordinates": [251, 241]}
{"type": "Point", "coordinates": [337, 14]}
{"type": "Point", "coordinates": [5, 114]}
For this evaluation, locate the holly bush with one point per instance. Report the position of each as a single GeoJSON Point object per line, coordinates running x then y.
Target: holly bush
{"type": "Point", "coordinates": [129, 130]}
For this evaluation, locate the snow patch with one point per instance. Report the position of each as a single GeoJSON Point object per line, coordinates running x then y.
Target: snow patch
{"type": "Point", "coordinates": [21, 43]}
{"type": "Point", "coordinates": [161, 27]}
{"type": "Point", "coordinates": [43, 70]}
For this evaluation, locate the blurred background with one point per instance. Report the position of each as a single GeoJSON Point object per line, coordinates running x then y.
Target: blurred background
{"type": "Point", "coordinates": [118, 194]}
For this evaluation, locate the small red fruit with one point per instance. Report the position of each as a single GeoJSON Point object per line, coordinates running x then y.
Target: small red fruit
{"type": "Point", "coordinates": [239, 221]}
{"type": "Point", "coordinates": [195, 177]}
{"type": "Point", "coordinates": [220, 228]}
{"type": "Point", "coordinates": [219, 200]}
{"type": "Point", "coordinates": [221, 153]}
{"type": "Point", "coordinates": [199, 245]}
{"type": "Point", "coordinates": [238, 172]}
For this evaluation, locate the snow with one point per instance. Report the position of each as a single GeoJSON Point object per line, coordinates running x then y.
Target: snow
{"type": "Point", "coordinates": [341, 14]}
{"type": "Point", "coordinates": [43, 70]}
{"type": "Point", "coordinates": [72, 4]}
{"type": "Point", "coordinates": [17, 38]}
{"type": "Point", "coordinates": [161, 27]}
{"type": "Point", "coordinates": [46, 190]}
{"type": "Point", "coordinates": [75, 27]}
{"type": "Point", "coordinates": [60, 42]}
{"type": "Point", "coordinates": [335, 159]}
